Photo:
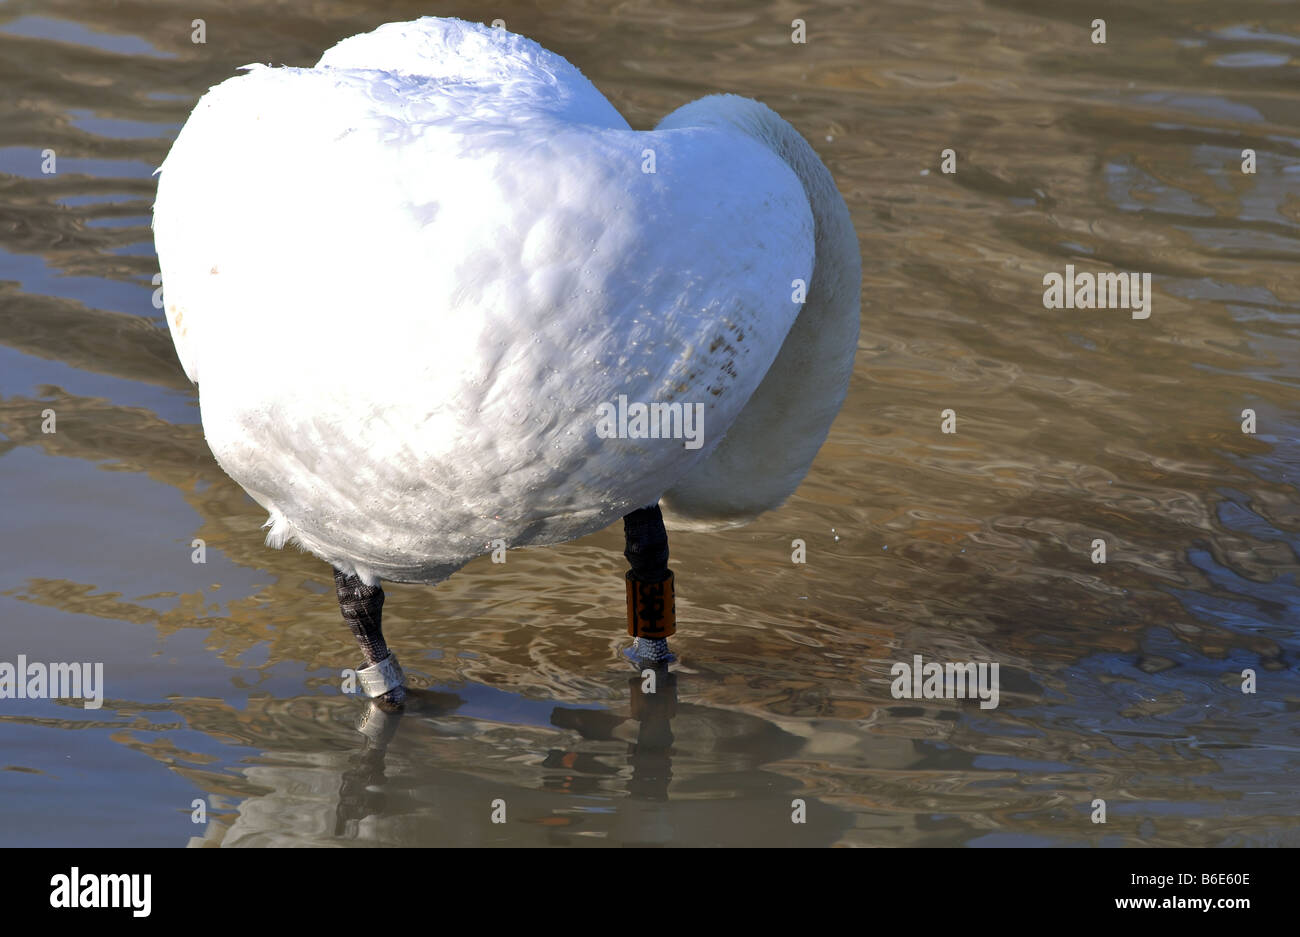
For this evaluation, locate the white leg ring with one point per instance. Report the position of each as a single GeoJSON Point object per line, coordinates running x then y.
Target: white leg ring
{"type": "Point", "coordinates": [378, 679]}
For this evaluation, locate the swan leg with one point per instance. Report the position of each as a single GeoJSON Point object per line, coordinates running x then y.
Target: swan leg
{"type": "Point", "coordinates": [362, 607]}
{"type": "Point", "coordinates": [651, 609]}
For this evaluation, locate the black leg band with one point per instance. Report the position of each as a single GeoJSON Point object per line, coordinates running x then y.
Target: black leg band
{"type": "Point", "coordinates": [647, 544]}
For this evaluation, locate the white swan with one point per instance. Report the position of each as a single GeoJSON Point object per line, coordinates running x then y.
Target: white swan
{"type": "Point", "coordinates": [409, 281]}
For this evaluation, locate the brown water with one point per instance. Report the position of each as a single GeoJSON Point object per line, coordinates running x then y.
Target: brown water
{"type": "Point", "coordinates": [1119, 681]}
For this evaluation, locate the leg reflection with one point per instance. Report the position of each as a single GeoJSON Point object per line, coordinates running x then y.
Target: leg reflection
{"type": "Point", "coordinates": [361, 792]}
{"type": "Point", "coordinates": [654, 703]}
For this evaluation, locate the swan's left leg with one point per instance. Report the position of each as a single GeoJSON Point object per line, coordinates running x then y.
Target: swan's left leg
{"type": "Point", "coordinates": [362, 608]}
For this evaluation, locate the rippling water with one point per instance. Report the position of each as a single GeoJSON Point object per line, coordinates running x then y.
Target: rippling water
{"type": "Point", "coordinates": [1120, 681]}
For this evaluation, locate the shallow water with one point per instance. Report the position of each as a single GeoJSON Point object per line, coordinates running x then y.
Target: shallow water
{"type": "Point", "coordinates": [1119, 681]}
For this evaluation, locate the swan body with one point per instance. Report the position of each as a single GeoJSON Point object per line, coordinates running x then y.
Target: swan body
{"type": "Point", "coordinates": [406, 281]}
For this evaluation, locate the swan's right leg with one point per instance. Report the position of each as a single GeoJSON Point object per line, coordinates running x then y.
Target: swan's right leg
{"type": "Point", "coordinates": [651, 606]}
